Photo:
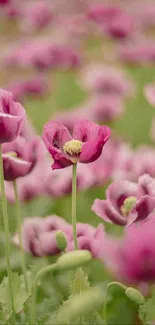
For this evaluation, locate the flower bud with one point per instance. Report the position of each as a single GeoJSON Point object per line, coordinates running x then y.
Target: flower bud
{"type": "Point", "coordinates": [134, 295]}
{"type": "Point", "coordinates": [73, 259]}
{"type": "Point", "coordinates": [61, 240]}
{"type": "Point", "coordinates": [84, 303]}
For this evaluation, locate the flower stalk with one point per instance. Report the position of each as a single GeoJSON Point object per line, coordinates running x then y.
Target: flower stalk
{"type": "Point", "coordinates": [7, 237]}
{"type": "Point", "coordinates": [40, 274]}
{"type": "Point", "coordinates": [19, 224]}
{"type": "Point", "coordinates": [74, 193]}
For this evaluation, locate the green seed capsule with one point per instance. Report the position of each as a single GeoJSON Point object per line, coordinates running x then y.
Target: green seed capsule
{"type": "Point", "coordinates": [135, 296]}
{"type": "Point", "coordinates": [61, 240]}
{"type": "Point", "coordinates": [73, 259]}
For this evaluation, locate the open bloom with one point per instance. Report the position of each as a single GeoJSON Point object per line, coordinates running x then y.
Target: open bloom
{"type": "Point", "coordinates": [89, 238]}
{"type": "Point", "coordinates": [85, 146]}
{"type": "Point", "coordinates": [132, 258]}
{"type": "Point", "coordinates": [106, 80]}
{"type": "Point", "coordinates": [12, 117]}
{"type": "Point", "coordinates": [19, 157]}
{"type": "Point", "coordinates": [127, 202]}
{"type": "Point", "coordinates": [39, 235]}
{"type": "Point", "coordinates": [37, 86]}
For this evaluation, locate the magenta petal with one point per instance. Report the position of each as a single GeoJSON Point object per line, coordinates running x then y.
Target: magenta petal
{"type": "Point", "coordinates": [144, 207]}
{"type": "Point", "coordinates": [92, 149]}
{"type": "Point", "coordinates": [14, 167]}
{"type": "Point", "coordinates": [118, 191]}
{"type": "Point", "coordinates": [107, 212]}
{"type": "Point", "coordinates": [60, 159]}
{"type": "Point", "coordinates": [146, 185]}
{"type": "Point", "coordinates": [55, 135]}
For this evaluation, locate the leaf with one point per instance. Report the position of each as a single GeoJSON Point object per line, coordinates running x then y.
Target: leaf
{"type": "Point", "coordinates": [80, 282]}
{"type": "Point", "coordinates": [79, 308]}
{"type": "Point", "coordinates": [120, 310]}
{"type": "Point", "coordinates": [20, 295]}
{"type": "Point", "coordinates": [47, 307]}
{"type": "Point", "coordinates": [147, 310]}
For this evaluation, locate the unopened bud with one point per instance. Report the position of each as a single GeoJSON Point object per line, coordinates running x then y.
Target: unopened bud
{"type": "Point", "coordinates": [61, 240]}
{"type": "Point", "coordinates": [134, 295]}
{"type": "Point", "coordinates": [73, 259]}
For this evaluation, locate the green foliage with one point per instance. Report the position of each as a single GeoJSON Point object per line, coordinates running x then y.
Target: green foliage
{"type": "Point", "coordinates": [147, 310]}
{"type": "Point", "coordinates": [120, 310]}
{"type": "Point", "coordinates": [20, 295]}
{"type": "Point", "coordinates": [83, 304]}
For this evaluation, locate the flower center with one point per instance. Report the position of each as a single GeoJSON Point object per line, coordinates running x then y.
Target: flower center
{"type": "Point", "coordinates": [12, 154]}
{"type": "Point", "coordinates": [73, 147]}
{"type": "Point", "coordinates": [128, 205]}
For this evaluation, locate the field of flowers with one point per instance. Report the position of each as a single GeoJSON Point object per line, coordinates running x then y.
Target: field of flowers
{"type": "Point", "coordinates": [77, 162]}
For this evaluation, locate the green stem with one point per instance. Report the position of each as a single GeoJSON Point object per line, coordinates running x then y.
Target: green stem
{"type": "Point", "coordinates": [19, 225]}
{"type": "Point", "coordinates": [7, 237]}
{"type": "Point", "coordinates": [74, 189]}
{"type": "Point", "coordinates": [39, 275]}
{"type": "Point", "coordinates": [115, 283]}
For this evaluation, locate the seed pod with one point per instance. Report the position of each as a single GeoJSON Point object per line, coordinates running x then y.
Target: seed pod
{"type": "Point", "coordinates": [73, 259]}
{"type": "Point", "coordinates": [134, 295]}
{"type": "Point", "coordinates": [61, 240]}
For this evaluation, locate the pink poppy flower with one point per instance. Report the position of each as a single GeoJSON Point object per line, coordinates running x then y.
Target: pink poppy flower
{"type": "Point", "coordinates": [39, 235]}
{"type": "Point", "coordinates": [149, 93]}
{"type": "Point", "coordinates": [106, 80]}
{"type": "Point", "coordinates": [142, 52]}
{"type": "Point", "coordinates": [59, 183]}
{"type": "Point", "coordinates": [90, 240]}
{"type": "Point", "coordinates": [85, 146]}
{"type": "Point", "coordinates": [12, 117]}
{"type": "Point", "coordinates": [37, 16]}
{"type": "Point", "coordinates": [104, 108]}
{"type": "Point", "coordinates": [121, 27]}
{"type": "Point", "coordinates": [31, 185]}
{"type": "Point", "coordinates": [126, 202]}
{"type": "Point", "coordinates": [101, 13]}
{"type": "Point", "coordinates": [19, 157]}
{"type": "Point", "coordinates": [36, 87]}
{"type": "Point", "coordinates": [132, 258]}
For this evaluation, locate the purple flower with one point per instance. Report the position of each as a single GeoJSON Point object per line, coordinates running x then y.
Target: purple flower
{"type": "Point", "coordinates": [132, 259]}
{"type": "Point", "coordinates": [85, 146]}
{"type": "Point", "coordinates": [100, 13]}
{"type": "Point", "coordinates": [104, 108]}
{"type": "Point", "coordinates": [33, 184]}
{"type": "Point", "coordinates": [106, 80]}
{"type": "Point", "coordinates": [59, 183]}
{"type": "Point", "coordinates": [12, 117]}
{"type": "Point", "coordinates": [121, 27]}
{"type": "Point", "coordinates": [149, 92]}
{"type": "Point", "coordinates": [89, 238]}
{"type": "Point", "coordinates": [37, 16]}
{"type": "Point", "coordinates": [36, 86]}
{"type": "Point", "coordinates": [138, 53]}
{"type": "Point", "coordinates": [126, 202]}
{"type": "Point", "coordinates": [19, 157]}
{"type": "Point", "coordinates": [39, 235]}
